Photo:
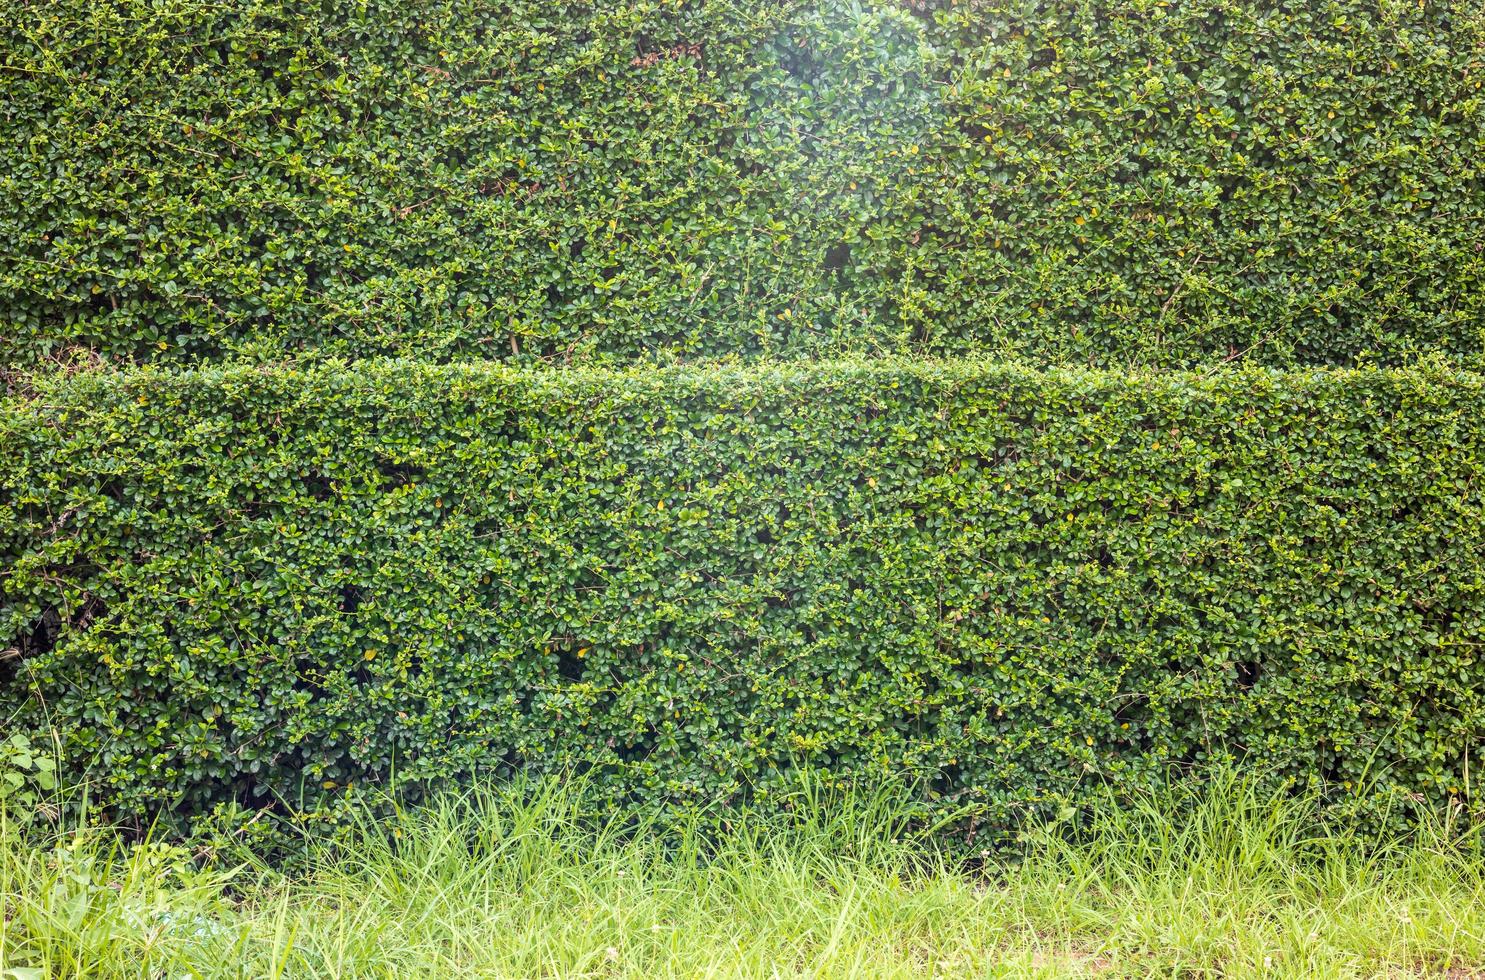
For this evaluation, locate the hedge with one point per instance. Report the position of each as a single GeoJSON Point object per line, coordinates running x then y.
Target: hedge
{"type": "Point", "coordinates": [1100, 182]}
{"type": "Point", "coordinates": [248, 585]}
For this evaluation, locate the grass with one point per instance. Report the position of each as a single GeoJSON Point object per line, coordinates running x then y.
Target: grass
{"type": "Point", "coordinates": [517, 884]}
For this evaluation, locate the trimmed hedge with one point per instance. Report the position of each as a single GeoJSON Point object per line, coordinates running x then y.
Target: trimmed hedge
{"type": "Point", "coordinates": [1086, 181]}
{"type": "Point", "coordinates": [229, 584]}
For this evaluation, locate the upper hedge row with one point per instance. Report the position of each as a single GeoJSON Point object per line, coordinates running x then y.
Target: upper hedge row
{"type": "Point", "coordinates": [1095, 181]}
{"type": "Point", "coordinates": [263, 583]}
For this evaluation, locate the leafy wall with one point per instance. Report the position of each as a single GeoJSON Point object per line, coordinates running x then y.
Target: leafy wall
{"type": "Point", "coordinates": [1086, 181]}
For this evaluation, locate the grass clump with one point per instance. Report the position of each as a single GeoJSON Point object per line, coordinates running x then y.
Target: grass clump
{"type": "Point", "coordinates": [518, 882]}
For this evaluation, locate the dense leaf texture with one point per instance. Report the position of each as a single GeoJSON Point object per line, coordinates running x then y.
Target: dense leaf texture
{"type": "Point", "coordinates": [1080, 181]}
{"type": "Point", "coordinates": [229, 584]}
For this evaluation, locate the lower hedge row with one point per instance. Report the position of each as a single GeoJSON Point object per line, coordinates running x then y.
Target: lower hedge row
{"type": "Point", "coordinates": [257, 584]}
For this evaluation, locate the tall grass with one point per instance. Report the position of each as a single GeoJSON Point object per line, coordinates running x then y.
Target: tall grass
{"type": "Point", "coordinates": [516, 882]}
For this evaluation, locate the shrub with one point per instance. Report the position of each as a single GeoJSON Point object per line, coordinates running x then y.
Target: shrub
{"type": "Point", "coordinates": [231, 585]}
{"type": "Point", "coordinates": [1090, 181]}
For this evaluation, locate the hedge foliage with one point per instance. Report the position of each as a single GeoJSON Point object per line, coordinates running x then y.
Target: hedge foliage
{"type": "Point", "coordinates": [1085, 181]}
{"type": "Point", "coordinates": [234, 583]}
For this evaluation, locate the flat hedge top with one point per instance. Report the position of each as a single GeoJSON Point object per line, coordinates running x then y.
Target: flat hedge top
{"type": "Point", "coordinates": [107, 392]}
{"type": "Point", "coordinates": [1092, 181]}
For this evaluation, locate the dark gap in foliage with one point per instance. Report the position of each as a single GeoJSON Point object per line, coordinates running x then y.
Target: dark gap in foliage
{"type": "Point", "coordinates": [38, 638]}
{"type": "Point", "coordinates": [111, 487]}
{"type": "Point", "coordinates": [317, 485]}
{"type": "Point", "coordinates": [399, 473]}
{"type": "Point", "coordinates": [635, 749]}
{"type": "Point", "coordinates": [1191, 759]}
{"type": "Point", "coordinates": [41, 637]}
{"type": "Point", "coordinates": [837, 257]}
{"type": "Point", "coordinates": [363, 674]}
{"type": "Point", "coordinates": [971, 129]}
{"type": "Point", "coordinates": [1332, 769]}
{"type": "Point", "coordinates": [308, 679]}
{"type": "Point", "coordinates": [799, 58]}
{"type": "Point", "coordinates": [945, 781]}
{"type": "Point", "coordinates": [569, 664]}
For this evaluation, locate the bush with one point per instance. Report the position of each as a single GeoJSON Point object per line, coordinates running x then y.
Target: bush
{"type": "Point", "coordinates": [1090, 181]}
{"type": "Point", "coordinates": [231, 585]}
